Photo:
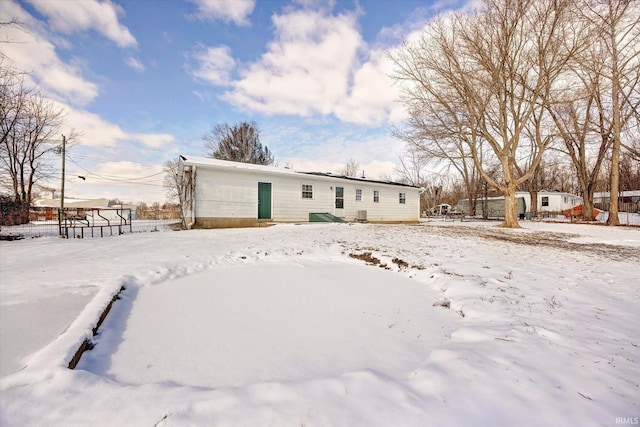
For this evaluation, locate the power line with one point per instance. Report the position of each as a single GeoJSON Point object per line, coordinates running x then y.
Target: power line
{"type": "Point", "coordinates": [116, 178]}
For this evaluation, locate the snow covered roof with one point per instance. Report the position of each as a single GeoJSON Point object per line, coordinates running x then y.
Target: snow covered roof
{"type": "Point", "coordinates": [216, 163]}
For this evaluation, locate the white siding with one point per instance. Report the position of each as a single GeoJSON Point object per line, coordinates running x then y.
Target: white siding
{"type": "Point", "coordinates": [288, 204]}
{"type": "Point", "coordinates": [388, 208]}
{"type": "Point", "coordinates": [233, 193]}
{"type": "Point", "coordinates": [226, 194]}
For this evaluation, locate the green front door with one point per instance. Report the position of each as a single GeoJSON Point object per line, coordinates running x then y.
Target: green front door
{"type": "Point", "coordinates": [264, 200]}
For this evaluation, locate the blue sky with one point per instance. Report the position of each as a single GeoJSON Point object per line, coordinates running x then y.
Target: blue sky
{"type": "Point", "coordinates": [144, 80]}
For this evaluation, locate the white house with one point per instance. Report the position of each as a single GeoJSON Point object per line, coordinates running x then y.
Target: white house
{"type": "Point", "coordinates": [218, 193]}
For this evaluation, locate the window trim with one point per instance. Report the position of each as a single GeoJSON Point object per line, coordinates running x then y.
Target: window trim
{"type": "Point", "coordinates": [376, 196]}
{"type": "Point", "coordinates": [402, 198]}
{"type": "Point", "coordinates": [543, 200]}
{"type": "Point", "coordinates": [303, 191]}
{"type": "Point", "coordinates": [358, 194]}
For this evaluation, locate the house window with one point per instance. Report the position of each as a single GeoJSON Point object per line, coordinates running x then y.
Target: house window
{"type": "Point", "coordinates": [307, 191]}
{"type": "Point", "coordinates": [403, 198]}
{"type": "Point", "coordinates": [376, 196]}
{"type": "Point", "coordinates": [358, 195]}
{"type": "Point", "coordinates": [545, 201]}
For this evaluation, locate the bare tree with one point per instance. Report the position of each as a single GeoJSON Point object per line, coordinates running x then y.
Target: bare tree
{"type": "Point", "coordinates": [484, 77]}
{"type": "Point", "coordinates": [629, 172]}
{"type": "Point", "coordinates": [29, 131]}
{"type": "Point", "coordinates": [238, 143]}
{"type": "Point", "coordinates": [172, 186]}
{"type": "Point", "coordinates": [411, 170]}
{"type": "Point", "coordinates": [171, 182]}
{"type": "Point", "coordinates": [411, 167]}
{"type": "Point", "coordinates": [441, 147]}
{"type": "Point", "coordinates": [586, 137]}
{"type": "Point", "coordinates": [633, 149]}
{"type": "Point", "coordinates": [618, 39]}
{"type": "Point", "coordinates": [350, 169]}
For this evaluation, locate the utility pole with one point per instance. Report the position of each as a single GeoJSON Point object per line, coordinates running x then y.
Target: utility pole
{"type": "Point", "coordinates": [64, 144]}
{"type": "Point", "coordinates": [61, 211]}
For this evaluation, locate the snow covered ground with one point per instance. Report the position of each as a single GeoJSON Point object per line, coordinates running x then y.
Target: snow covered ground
{"type": "Point", "coordinates": [465, 324]}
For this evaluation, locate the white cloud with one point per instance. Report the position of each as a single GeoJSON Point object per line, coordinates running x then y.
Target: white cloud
{"type": "Point", "coordinates": [306, 69]}
{"type": "Point", "coordinates": [72, 16]}
{"type": "Point", "coordinates": [128, 180]}
{"type": "Point", "coordinates": [318, 64]}
{"type": "Point", "coordinates": [214, 65]}
{"type": "Point", "coordinates": [372, 95]}
{"type": "Point", "coordinates": [97, 132]}
{"type": "Point", "coordinates": [236, 11]}
{"type": "Point", "coordinates": [135, 64]}
{"type": "Point", "coordinates": [152, 140]}
{"type": "Point", "coordinates": [31, 52]}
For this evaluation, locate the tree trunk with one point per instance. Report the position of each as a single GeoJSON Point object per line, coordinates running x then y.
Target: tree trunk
{"type": "Point", "coordinates": [615, 185]}
{"type": "Point", "coordinates": [588, 206]}
{"type": "Point", "coordinates": [510, 213]}
{"type": "Point", "coordinates": [472, 197]}
{"type": "Point", "coordinates": [534, 204]}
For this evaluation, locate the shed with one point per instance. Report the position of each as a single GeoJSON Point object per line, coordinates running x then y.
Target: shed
{"type": "Point", "coordinates": [219, 193]}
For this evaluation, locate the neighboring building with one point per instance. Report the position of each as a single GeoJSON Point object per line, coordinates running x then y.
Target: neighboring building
{"type": "Point", "coordinates": [548, 201]}
{"type": "Point", "coordinates": [494, 207]}
{"type": "Point", "coordinates": [71, 203]}
{"type": "Point", "coordinates": [219, 193]}
{"type": "Point", "coordinates": [628, 201]}
{"type": "Point", "coordinates": [45, 209]}
{"type": "Point", "coordinates": [551, 201]}
{"type": "Point", "coordinates": [98, 209]}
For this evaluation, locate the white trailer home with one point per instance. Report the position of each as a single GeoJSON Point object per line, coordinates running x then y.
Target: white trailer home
{"type": "Point", "coordinates": [551, 201]}
{"type": "Point", "coordinates": [218, 193]}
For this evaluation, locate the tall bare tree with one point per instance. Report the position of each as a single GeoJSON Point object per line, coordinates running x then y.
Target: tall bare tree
{"type": "Point", "coordinates": [29, 131]}
{"type": "Point", "coordinates": [618, 39]}
{"type": "Point", "coordinates": [586, 137]}
{"type": "Point", "coordinates": [484, 77]}
{"type": "Point", "coordinates": [172, 186]}
{"type": "Point", "coordinates": [239, 143]}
